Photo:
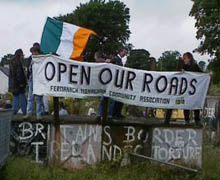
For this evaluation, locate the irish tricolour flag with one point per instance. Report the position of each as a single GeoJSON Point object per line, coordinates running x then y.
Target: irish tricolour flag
{"type": "Point", "coordinates": [65, 39]}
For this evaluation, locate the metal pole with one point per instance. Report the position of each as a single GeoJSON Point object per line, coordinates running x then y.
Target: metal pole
{"type": "Point", "coordinates": [163, 162]}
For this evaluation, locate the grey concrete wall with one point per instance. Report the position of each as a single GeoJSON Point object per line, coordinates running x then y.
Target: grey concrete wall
{"type": "Point", "coordinates": [80, 145]}
{"type": "Point", "coordinates": [5, 126]}
{"type": "Point", "coordinates": [178, 145]}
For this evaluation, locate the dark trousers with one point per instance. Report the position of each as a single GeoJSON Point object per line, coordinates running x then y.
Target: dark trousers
{"type": "Point", "coordinates": [118, 109]}
{"type": "Point", "coordinates": [196, 114]}
{"type": "Point", "coordinates": [168, 114]}
{"type": "Point", "coordinates": [101, 106]}
{"type": "Point", "coordinates": [115, 108]}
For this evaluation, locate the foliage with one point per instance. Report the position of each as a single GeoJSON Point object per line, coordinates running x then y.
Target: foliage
{"type": "Point", "coordinates": [214, 90]}
{"type": "Point", "coordinates": [6, 59]}
{"type": "Point", "coordinates": [214, 67]}
{"type": "Point", "coordinates": [80, 106]}
{"type": "Point", "coordinates": [211, 164]}
{"type": "Point", "coordinates": [108, 19]}
{"type": "Point", "coordinates": [76, 106]}
{"type": "Point", "coordinates": [202, 65]}
{"type": "Point", "coordinates": [23, 168]}
{"type": "Point", "coordinates": [8, 96]}
{"type": "Point", "coordinates": [207, 16]}
{"type": "Point", "coordinates": [140, 59]}
{"type": "Point", "coordinates": [168, 61]}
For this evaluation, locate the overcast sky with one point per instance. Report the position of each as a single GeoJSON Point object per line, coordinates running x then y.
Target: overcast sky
{"type": "Point", "coordinates": [156, 25]}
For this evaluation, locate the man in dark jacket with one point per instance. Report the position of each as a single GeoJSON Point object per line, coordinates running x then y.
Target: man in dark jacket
{"type": "Point", "coordinates": [115, 107]}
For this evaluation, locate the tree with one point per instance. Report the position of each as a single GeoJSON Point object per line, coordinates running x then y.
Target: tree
{"type": "Point", "coordinates": [140, 59]}
{"type": "Point", "coordinates": [6, 59]}
{"type": "Point", "coordinates": [168, 61]}
{"type": "Point", "coordinates": [207, 16]}
{"type": "Point", "coordinates": [202, 65]}
{"type": "Point", "coordinates": [214, 66]}
{"type": "Point", "coordinates": [108, 19]}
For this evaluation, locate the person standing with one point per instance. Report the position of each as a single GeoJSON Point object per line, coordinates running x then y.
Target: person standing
{"type": "Point", "coordinates": [115, 107]}
{"type": "Point", "coordinates": [30, 102]}
{"type": "Point", "coordinates": [18, 82]}
{"type": "Point", "coordinates": [100, 58]}
{"type": "Point", "coordinates": [187, 63]}
{"type": "Point", "coordinates": [35, 50]}
{"type": "Point", "coordinates": [190, 65]}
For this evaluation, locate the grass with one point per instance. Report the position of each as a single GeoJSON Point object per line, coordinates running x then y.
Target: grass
{"type": "Point", "coordinates": [24, 168]}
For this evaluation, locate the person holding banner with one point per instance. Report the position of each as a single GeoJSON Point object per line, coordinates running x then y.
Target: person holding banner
{"type": "Point", "coordinates": [186, 64]}
{"type": "Point", "coordinates": [115, 107]}
{"type": "Point", "coordinates": [190, 65]}
{"type": "Point", "coordinates": [100, 58]}
{"type": "Point", "coordinates": [35, 50]}
{"type": "Point", "coordinates": [18, 82]}
{"type": "Point", "coordinates": [30, 102]}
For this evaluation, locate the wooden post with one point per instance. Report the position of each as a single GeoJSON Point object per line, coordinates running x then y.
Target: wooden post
{"type": "Point", "coordinates": [105, 113]}
{"type": "Point", "coordinates": [57, 143]}
{"type": "Point", "coordinates": [218, 119]}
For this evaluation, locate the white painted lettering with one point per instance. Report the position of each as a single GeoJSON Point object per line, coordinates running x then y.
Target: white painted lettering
{"type": "Point", "coordinates": [36, 144]}
{"type": "Point", "coordinates": [130, 134]}
{"type": "Point", "coordinates": [108, 135]}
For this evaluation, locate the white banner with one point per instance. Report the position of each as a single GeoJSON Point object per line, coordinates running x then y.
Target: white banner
{"type": "Point", "coordinates": [56, 76]}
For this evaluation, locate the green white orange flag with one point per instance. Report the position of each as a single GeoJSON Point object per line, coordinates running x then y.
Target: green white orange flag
{"type": "Point", "coordinates": [67, 40]}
